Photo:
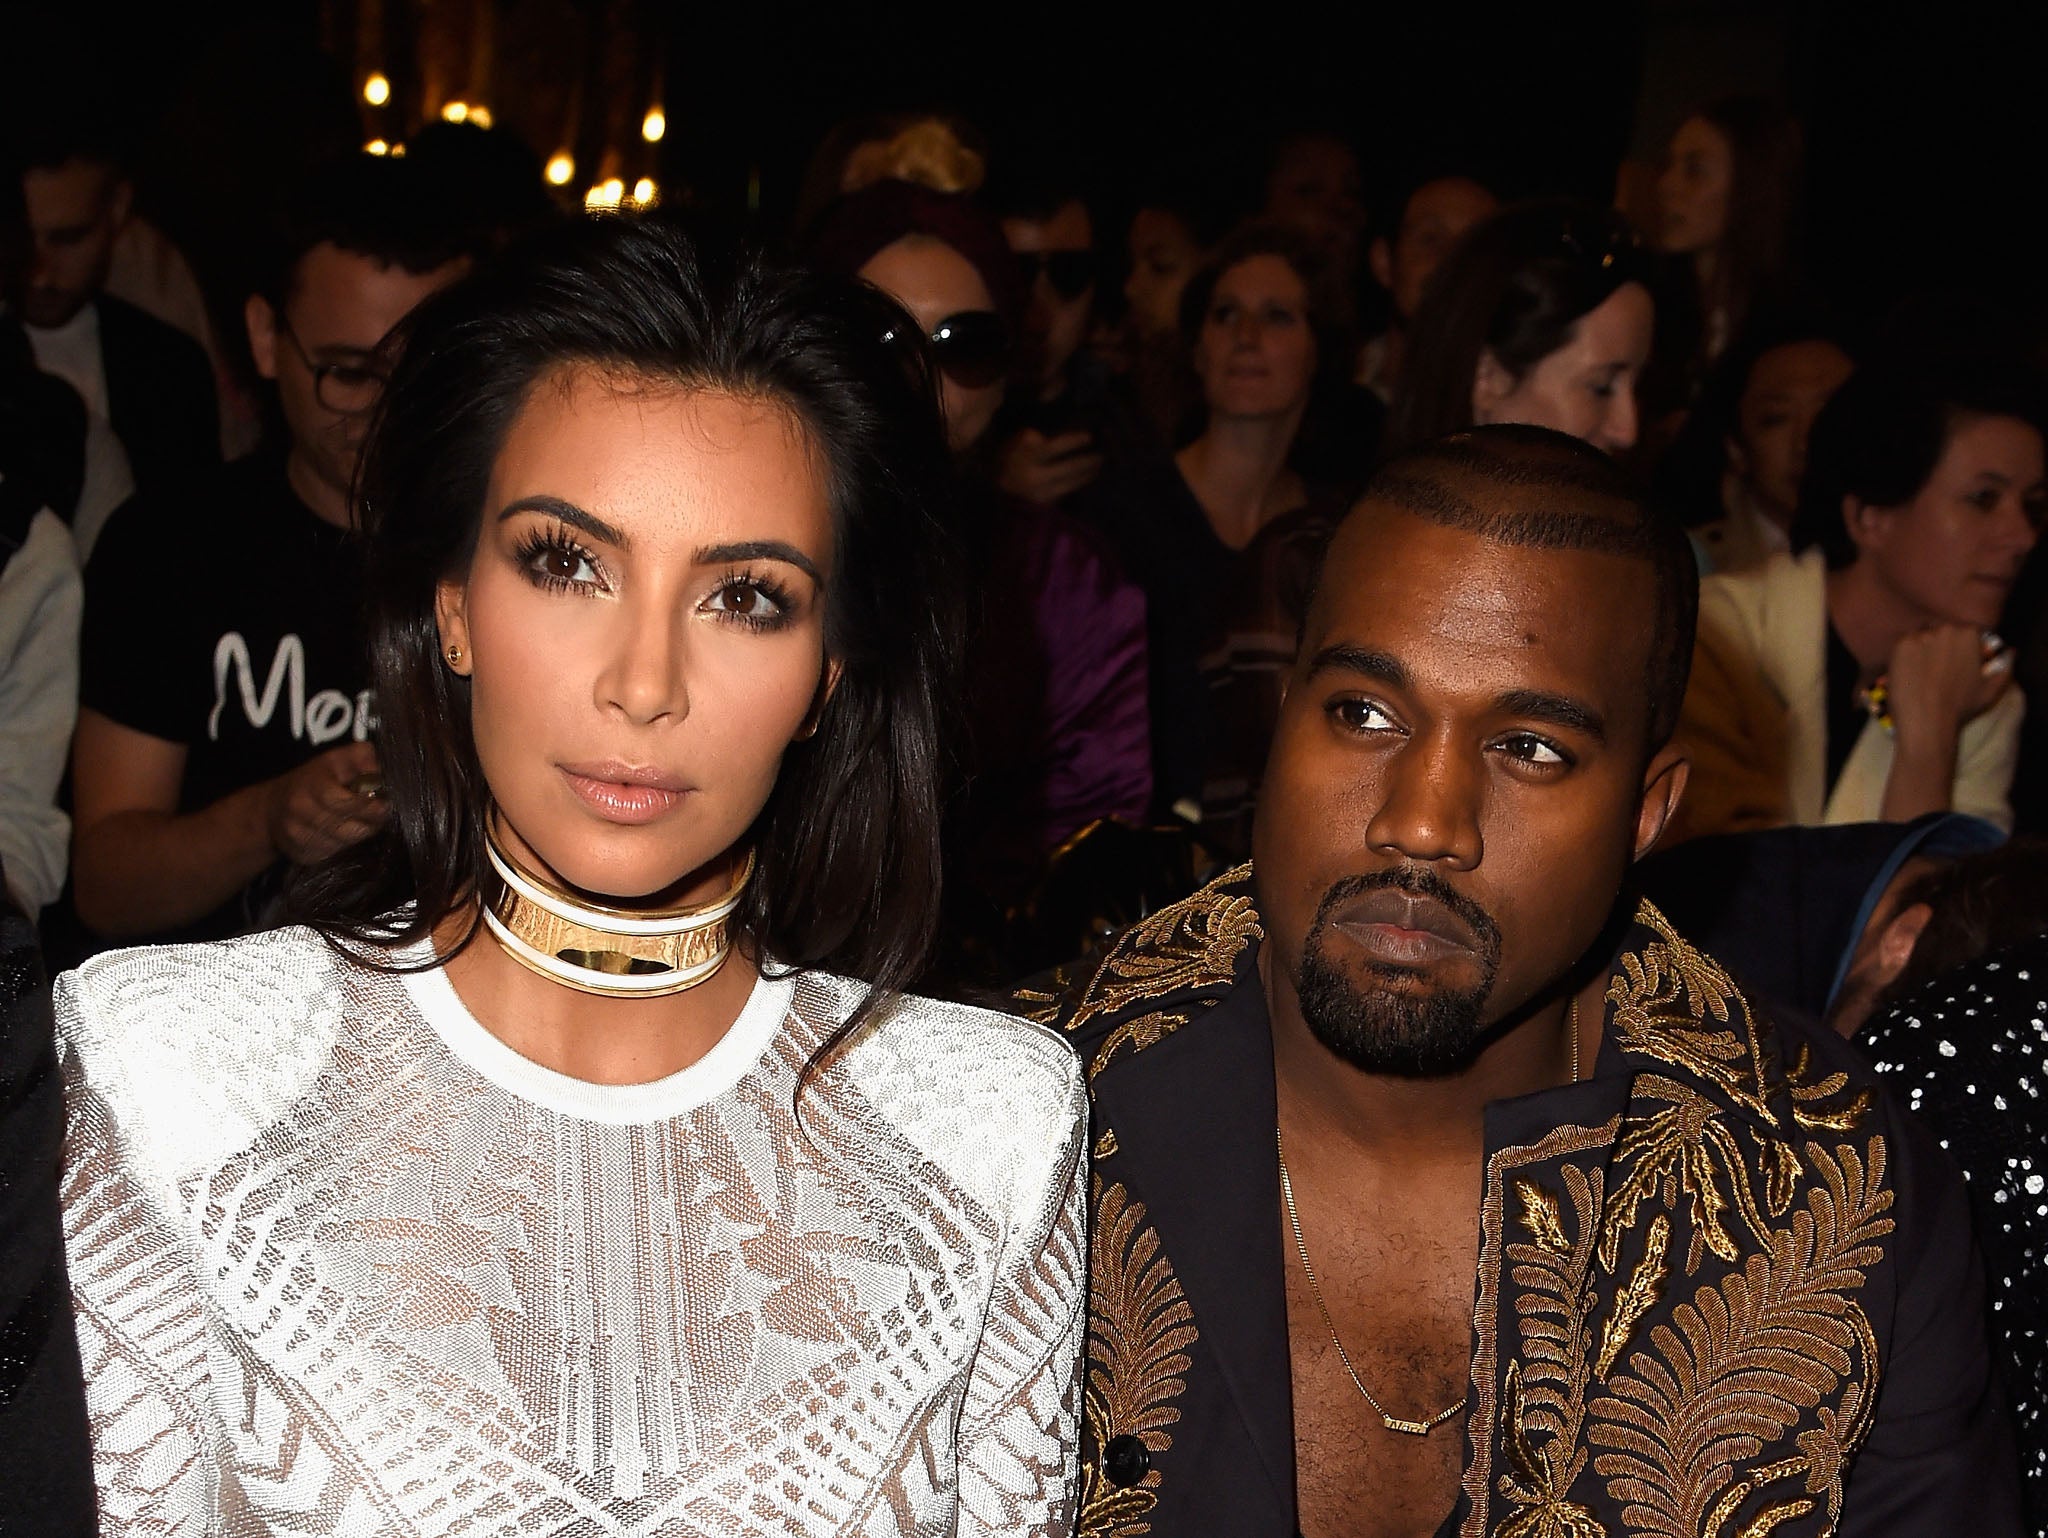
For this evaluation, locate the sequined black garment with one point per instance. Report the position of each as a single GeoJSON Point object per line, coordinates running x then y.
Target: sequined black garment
{"type": "Point", "coordinates": [1969, 1051]}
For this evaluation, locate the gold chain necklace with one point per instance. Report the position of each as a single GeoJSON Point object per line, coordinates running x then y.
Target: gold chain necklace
{"type": "Point", "coordinates": [1392, 1422]}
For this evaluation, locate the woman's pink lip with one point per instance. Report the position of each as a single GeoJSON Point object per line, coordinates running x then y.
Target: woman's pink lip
{"type": "Point", "coordinates": [616, 771]}
{"type": "Point", "coordinates": [623, 801]}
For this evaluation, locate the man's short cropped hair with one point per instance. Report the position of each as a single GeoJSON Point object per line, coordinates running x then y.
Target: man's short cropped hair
{"type": "Point", "coordinates": [382, 207]}
{"type": "Point", "coordinates": [1530, 486]}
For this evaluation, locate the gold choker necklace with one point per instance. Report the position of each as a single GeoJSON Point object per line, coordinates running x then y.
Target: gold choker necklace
{"type": "Point", "coordinates": [614, 952]}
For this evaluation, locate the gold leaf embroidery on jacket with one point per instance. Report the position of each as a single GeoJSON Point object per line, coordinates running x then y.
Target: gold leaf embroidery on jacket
{"type": "Point", "coordinates": [1042, 1006]}
{"type": "Point", "coordinates": [1537, 1486]}
{"type": "Point", "coordinates": [1137, 1035]}
{"type": "Point", "coordinates": [1540, 1216]}
{"type": "Point", "coordinates": [1545, 1395]}
{"type": "Point", "coordinates": [1554, 1322]}
{"type": "Point", "coordinates": [1731, 1413]}
{"type": "Point", "coordinates": [1687, 1148]}
{"type": "Point", "coordinates": [1195, 943]}
{"type": "Point", "coordinates": [1645, 1287]}
{"type": "Point", "coordinates": [1741, 1365]}
{"type": "Point", "coordinates": [1674, 1004]}
{"type": "Point", "coordinates": [1139, 1329]}
{"type": "Point", "coordinates": [1844, 1116]}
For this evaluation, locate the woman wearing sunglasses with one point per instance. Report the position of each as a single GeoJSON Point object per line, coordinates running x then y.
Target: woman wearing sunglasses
{"type": "Point", "coordinates": [1056, 726]}
{"type": "Point", "coordinates": [582, 1167]}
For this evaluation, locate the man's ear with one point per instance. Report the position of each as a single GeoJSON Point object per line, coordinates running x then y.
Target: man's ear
{"type": "Point", "coordinates": [120, 202]}
{"type": "Point", "coordinates": [1663, 789]}
{"type": "Point", "coordinates": [1895, 945]}
{"type": "Point", "coordinates": [1492, 383]}
{"type": "Point", "coordinates": [261, 321]}
{"type": "Point", "coordinates": [1738, 456]}
{"type": "Point", "coordinates": [1379, 256]}
{"type": "Point", "coordinates": [451, 618]}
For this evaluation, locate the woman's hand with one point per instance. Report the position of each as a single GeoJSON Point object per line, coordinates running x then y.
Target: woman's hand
{"type": "Point", "coordinates": [1936, 681]}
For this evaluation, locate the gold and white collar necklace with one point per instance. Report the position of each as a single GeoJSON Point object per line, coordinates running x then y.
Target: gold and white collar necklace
{"type": "Point", "coordinates": [614, 952]}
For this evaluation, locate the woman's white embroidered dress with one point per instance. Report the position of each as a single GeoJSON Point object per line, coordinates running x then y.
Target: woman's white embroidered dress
{"type": "Point", "coordinates": [345, 1264]}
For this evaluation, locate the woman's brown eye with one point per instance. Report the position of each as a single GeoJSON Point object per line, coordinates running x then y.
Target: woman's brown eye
{"type": "Point", "coordinates": [560, 563]}
{"type": "Point", "coordinates": [742, 600]}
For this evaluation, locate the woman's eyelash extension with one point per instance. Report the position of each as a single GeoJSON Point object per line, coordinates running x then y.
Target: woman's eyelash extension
{"type": "Point", "coordinates": [767, 586]}
{"type": "Point", "coordinates": [538, 542]}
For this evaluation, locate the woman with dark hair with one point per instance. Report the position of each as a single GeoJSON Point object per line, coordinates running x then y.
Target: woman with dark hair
{"type": "Point", "coordinates": [1726, 200]}
{"type": "Point", "coordinates": [1540, 315]}
{"type": "Point", "coordinates": [581, 1165]}
{"type": "Point", "coordinates": [1057, 735]}
{"type": "Point", "coordinates": [1260, 324]}
{"type": "Point", "coordinates": [1862, 681]}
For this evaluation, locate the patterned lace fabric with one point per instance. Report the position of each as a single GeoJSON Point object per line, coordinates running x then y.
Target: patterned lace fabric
{"type": "Point", "coordinates": [345, 1264]}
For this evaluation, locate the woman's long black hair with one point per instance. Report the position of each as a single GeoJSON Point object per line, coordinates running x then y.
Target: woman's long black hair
{"type": "Point", "coordinates": [848, 844]}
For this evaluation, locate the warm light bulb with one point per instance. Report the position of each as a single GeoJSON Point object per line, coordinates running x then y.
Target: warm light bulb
{"type": "Point", "coordinates": [456, 111]}
{"type": "Point", "coordinates": [654, 125]}
{"type": "Point", "coordinates": [593, 199]}
{"type": "Point", "coordinates": [560, 168]}
{"type": "Point", "coordinates": [481, 116]}
{"type": "Point", "coordinates": [606, 194]}
{"type": "Point", "coordinates": [645, 192]}
{"type": "Point", "coordinates": [398, 152]}
{"type": "Point", "coordinates": [376, 147]}
{"type": "Point", "coordinates": [376, 90]}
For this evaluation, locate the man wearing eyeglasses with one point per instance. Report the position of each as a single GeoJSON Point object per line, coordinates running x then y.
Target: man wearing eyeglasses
{"type": "Point", "coordinates": [225, 713]}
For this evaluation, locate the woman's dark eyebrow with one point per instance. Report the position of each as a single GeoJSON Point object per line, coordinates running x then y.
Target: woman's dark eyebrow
{"type": "Point", "coordinates": [570, 514]}
{"type": "Point", "coordinates": [760, 550]}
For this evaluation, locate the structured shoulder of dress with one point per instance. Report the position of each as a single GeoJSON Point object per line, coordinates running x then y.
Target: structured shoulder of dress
{"type": "Point", "coordinates": [970, 1041]}
{"type": "Point", "coordinates": [994, 1100]}
{"type": "Point", "coordinates": [239, 976]}
{"type": "Point", "coordinates": [195, 1048]}
{"type": "Point", "coordinates": [1162, 973]}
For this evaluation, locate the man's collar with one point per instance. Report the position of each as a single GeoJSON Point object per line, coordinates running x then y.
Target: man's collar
{"type": "Point", "coordinates": [1669, 1008]}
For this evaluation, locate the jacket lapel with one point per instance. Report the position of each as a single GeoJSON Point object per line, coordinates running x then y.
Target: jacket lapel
{"type": "Point", "coordinates": [1195, 1143]}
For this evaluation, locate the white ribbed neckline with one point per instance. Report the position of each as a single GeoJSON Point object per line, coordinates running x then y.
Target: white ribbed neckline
{"type": "Point", "coordinates": [742, 1046]}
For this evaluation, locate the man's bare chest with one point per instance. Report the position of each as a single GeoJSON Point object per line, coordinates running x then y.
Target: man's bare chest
{"type": "Point", "coordinates": [1380, 1341]}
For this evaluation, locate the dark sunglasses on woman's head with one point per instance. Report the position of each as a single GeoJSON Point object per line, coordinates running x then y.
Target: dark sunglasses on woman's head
{"type": "Point", "coordinates": [1601, 239]}
{"type": "Point", "coordinates": [971, 348]}
{"type": "Point", "coordinates": [1069, 272]}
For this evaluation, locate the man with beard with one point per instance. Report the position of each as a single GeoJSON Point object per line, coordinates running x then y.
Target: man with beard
{"type": "Point", "coordinates": [1442, 1188]}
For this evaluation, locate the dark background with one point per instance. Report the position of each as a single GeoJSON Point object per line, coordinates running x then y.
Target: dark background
{"type": "Point", "coordinates": [1925, 122]}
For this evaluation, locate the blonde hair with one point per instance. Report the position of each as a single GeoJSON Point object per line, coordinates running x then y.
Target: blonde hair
{"type": "Point", "coordinates": [927, 151]}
